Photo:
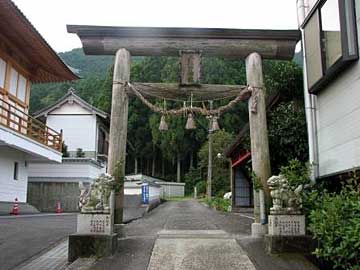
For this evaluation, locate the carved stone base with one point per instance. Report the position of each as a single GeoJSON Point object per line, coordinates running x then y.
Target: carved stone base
{"type": "Point", "coordinates": [288, 244]}
{"type": "Point", "coordinates": [87, 245]}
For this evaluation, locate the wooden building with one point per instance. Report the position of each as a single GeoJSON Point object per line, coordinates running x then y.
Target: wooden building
{"type": "Point", "coordinates": [83, 127]}
{"type": "Point", "coordinates": [25, 58]}
{"type": "Point", "coordinates": [239, 153]}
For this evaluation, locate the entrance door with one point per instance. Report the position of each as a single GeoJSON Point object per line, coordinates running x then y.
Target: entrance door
{"type": "Point", "coordinates": [242, 189]}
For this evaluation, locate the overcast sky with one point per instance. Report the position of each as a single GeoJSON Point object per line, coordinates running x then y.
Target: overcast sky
{"type": "Point", "coordinates": [51, 16]}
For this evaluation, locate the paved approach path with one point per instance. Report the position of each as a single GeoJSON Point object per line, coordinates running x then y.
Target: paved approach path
{"type": "Point", "coordinates": [189, 235]}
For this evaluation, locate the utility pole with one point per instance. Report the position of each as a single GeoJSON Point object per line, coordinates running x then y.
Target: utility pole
{"type": "Point", "coordinates": [209, 174]}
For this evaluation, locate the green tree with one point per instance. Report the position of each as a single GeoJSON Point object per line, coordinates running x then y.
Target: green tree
{"type": "Point", "coordinates": [220, 174]}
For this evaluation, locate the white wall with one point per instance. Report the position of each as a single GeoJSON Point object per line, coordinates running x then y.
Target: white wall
{"type": "Point", "coordinates": [154, 193]}
{"type": "Point", "coordinates": [172, 189]}
{"type": "Point", "coordinates": [132, 189]}
{"type": "Point", "coordinates": [338, 120]}
{"type": "Point", "coordinates": [79, 131]}
{"type": "Point", "coordinates": [10, 188]}
{"type": "Point", "coordinates": [68, 108]}
{"type": "Point", "coordinates": [65, 170]}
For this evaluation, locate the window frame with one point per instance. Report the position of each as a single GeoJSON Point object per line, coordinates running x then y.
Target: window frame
{"type": "Point", "coordinates": [12, 63]}
{"type": "Point", "coordinates": [343, 62]}
{"type": "Point", "coordinates": [16, 170]}
{"type": "Point", "coordinates": [5, 71]}
{"type": "Point", "coordinates": [16, 96]}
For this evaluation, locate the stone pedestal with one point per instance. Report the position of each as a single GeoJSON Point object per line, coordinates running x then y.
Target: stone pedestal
{"type": "Point", "coordinates": [258, 229]}
{"type": "Point", "coordinates": [87, 245]}
{"type": "Point", "coordinates": [287, 234]}
{"type": "Point", "coordinates": [275, 244]}
{"type": "Point", "coordinates": [94, 237]}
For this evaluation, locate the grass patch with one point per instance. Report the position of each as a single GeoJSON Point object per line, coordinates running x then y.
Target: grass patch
{"type": "Point", "coordinates": [177, 199]}
{"type": "Point", "coordinates": [217, 203]}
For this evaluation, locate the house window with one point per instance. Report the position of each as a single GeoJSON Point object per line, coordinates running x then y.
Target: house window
{"type": "Point", "coordinates": [17, 86]}
{"type": "Point", "coordinates": [16, 170]}
{"type": "Point", "coordinates": [2, 73]}
{"type": "Point", "coordinates": [331, 32]}
{"type": "Point", "coordinates": [330, 40]}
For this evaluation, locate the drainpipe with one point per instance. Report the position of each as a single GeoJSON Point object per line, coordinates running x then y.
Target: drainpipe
{"type": "Point", "coordinates": [310, 100]}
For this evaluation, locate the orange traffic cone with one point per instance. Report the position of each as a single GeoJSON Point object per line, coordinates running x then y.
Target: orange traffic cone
{"type": "Point", "coordinates": [58, 207]}
{"type": "Point", "coordinates": [15, 210]}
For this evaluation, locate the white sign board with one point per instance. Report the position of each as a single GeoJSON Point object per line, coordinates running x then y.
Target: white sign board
{"type": "Point", "coordinates": [287, 225]}
{"type": "Point", "coordinates": [94, 224]}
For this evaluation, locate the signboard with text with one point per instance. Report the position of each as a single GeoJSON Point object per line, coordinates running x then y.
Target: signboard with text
{"type": "Point", "coordinates": [94, 224]}
{"type": "Point", "coordinates": [145, 193]}
{"type": "Point", "coordinates": [287, 225]}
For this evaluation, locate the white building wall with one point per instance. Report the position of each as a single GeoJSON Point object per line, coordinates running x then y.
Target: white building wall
{"type": "Point", "coordinates": [338, 120]}
{"type": "Point", "coordinates": [10, 188]}
{"type": "Point", "coordinates": [79, 131]}
{"type": "Point", "coordinates": [64, 170]}
{"type": "Point", "coordinates": [68, 108]}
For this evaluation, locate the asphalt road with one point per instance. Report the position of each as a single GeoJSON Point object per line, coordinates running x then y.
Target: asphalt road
{"type": "Point", "coordinates": [23, 237]}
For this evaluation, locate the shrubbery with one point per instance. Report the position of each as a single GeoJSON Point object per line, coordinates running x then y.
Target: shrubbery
{"type": "Point", "coordinates": [191, 179]}
{"type": "Point", "coordinates": [201, 188]}
{"type": "Point", "coordinates": [333, 218]}
{"type": "Point", "coordinates": [219, 204]}
{"type": "Point", "coordinates": [335, 222]}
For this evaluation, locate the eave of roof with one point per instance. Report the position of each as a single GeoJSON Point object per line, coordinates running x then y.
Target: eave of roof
{"type": "Point", "coordinates": [42, 62]}
{"type": "Point", "coordinates": [64, 99]}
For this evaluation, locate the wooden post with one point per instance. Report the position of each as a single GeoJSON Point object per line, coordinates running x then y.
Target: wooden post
{"type": "Point", "coordinates": [258, 129]}
{"type": "Point", "coordinates": [153, 166]}
{"type": "Point", "coordinates": [210, 161]}
{"type": "Point", "coordinates": [162, 166]}
{"type": "Point", "coordinates": [231, 175]}
{"type": "Point", "coordinates": [118, 128]}
{"type": "Point", "coordinates": [136, 165]}
{"type": "Point", "coordinates": [178, 168]}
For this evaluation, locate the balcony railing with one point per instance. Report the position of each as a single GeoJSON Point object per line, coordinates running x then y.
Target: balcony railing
{"type": "Point", "coordinates": [22, 123]}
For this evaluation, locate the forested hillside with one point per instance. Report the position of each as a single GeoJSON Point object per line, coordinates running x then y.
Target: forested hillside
{"type": "Point", "coordinates": [157, 153]}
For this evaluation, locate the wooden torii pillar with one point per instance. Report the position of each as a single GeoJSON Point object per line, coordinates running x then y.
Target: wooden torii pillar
{"type": "Point", "coordinates": [118, 129]}
{"type": "Point", "coordinates": [260, 157]}
{"type": "Point", "coordinates": [149, 41]}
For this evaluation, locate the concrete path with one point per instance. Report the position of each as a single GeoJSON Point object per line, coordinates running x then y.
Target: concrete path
{"type": "Point", "coordinates": [196, 250]}
{"type": "Point", "coordinates": [189, 235]}
{"type": "Point", "coordinates": [135, 250]}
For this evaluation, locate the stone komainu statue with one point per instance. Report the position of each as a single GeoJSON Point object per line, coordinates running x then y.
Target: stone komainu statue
{"type": "Point", "coordinates": [97, 198]}
{"type": "Point", "coordinates": [285, 200]}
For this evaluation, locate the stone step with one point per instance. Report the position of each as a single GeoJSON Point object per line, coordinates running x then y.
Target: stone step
{"type": "Point", "coordinates": [198, 234]}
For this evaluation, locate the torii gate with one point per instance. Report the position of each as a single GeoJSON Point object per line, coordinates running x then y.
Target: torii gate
{"type": "Point", "coordinates": [190, 44]}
